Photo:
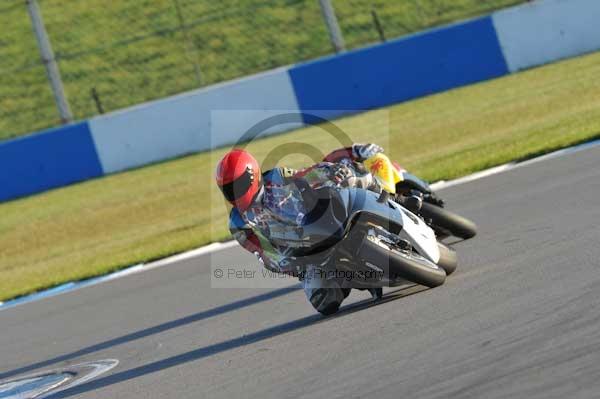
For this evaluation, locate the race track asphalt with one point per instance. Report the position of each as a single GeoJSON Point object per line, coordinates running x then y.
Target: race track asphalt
{"type": "Point", "coordinates": [519, 319]}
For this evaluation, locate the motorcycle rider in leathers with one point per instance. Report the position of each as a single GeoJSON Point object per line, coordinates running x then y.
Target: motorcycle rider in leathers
{"type": "Point", "coordinates": [267, 209]}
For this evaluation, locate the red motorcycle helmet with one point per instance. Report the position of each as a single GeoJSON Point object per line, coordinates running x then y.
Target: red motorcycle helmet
{"type": "Point", "coordinates": [239, 178]}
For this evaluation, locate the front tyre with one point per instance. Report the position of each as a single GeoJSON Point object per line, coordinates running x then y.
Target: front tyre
{"type": "Point", "coordinates": [403, 264]}
{"type": "Point", "coordinates": [447, 221]}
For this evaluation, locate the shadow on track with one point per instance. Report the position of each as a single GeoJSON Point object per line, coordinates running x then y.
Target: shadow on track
{"type": "Point", "coordinates": [214, 349]}
{"type": "Point", "coordinates": [154, 330]}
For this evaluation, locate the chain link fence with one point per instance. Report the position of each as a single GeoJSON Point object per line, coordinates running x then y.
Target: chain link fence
{"type": "Point", "coordinates": [123, 52]}
{"type": "Point", "coordinates": [369, 21]}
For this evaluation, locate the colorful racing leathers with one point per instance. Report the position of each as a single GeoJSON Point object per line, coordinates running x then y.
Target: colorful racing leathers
{"type": "Point", "coordinates": [269, 228]}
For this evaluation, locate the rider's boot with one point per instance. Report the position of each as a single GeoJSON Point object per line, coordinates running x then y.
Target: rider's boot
{"type": "Point", "coordinates": [326, 295]}
{"type": "Point", "coordinates": [376, 293]}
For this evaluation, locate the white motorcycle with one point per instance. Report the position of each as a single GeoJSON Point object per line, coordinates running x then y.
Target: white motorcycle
{"type": "Point", "coordinates": [370, 237]}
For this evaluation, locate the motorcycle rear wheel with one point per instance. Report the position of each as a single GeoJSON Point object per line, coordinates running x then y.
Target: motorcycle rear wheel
{"type": "Point", "coordinates": [447, 221]}
{"type": "Point", "coordinates": [448, 259]}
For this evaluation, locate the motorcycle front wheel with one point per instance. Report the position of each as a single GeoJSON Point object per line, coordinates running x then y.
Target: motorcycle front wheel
{"type": "Point", "coordinates": [403, 265]}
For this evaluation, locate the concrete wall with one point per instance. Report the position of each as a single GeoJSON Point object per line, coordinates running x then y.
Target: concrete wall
{"type": "Point", "coordinates": [545, 31]}
{"type": "Point", "coordinates": [182, 124]}
{"type": "Point", "coordinates": [429, 62]}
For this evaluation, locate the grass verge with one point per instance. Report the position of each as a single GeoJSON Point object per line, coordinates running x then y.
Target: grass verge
{"type": "Point", "coordinates": [105, 224]}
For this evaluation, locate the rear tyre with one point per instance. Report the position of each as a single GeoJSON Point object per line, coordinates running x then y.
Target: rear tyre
{"type": "Point", "coordinates": [407, 266]}
{"type": "Point", "coordinates": [447, 221]}
{"type": "Point", "coordinates": [448, 259]}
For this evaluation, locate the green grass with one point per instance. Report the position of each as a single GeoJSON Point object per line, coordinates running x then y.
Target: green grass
{"type": "Point", "coordinates": [134, 50]}
{"type": "Point", "coordinates": [102, 225]}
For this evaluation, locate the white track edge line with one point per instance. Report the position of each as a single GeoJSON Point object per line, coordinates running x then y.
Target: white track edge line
{"type": "Point", "coordinates": [220, 246]}
{"type": "Point", "coordinates": [513, 165]}
{"type": "Point", "coordinates": [76, 285]}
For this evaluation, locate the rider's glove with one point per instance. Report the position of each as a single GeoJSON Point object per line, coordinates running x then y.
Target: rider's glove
{"type": "Point", "coordinates": [365, 151]}
{"type": "Point", "coordinates": [342, 174]}
{"type": "Point", "coordinates": [345, 176]}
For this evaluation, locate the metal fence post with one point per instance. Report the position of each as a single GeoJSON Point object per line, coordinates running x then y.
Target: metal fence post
{"type": "Point", "coordinates": [335, 34]}
{"type": "Point", "coordinates": [49, 61]}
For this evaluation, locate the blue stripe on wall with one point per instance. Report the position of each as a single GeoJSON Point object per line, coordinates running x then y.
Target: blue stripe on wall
{"type": "Point", "coordinates": [54, 158]}
{"type": "Point", "coordinates": [400, 70]}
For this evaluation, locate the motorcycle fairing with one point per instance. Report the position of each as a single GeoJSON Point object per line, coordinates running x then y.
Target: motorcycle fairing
{"type": "Point", "coordinates": [413, 229]}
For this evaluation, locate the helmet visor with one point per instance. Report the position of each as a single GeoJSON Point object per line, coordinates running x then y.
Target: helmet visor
{"type": "Point", "coordinates": [237, 188]}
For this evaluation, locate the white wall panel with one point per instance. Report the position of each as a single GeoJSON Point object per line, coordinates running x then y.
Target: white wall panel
{"type": "Point", "coordinates": [547, 30]}
{"type": "Point", "coordinates": [180, 125]}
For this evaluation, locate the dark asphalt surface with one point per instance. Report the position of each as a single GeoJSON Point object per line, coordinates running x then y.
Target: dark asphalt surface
{"type": "Point", "coordinates": [520, 318]}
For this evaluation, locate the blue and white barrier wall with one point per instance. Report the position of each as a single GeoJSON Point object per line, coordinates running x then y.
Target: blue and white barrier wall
{"type": "Point", "coordinates": [400, 70]}
{"type": "Point", "coordinates": [46, 160]}
{"type": "Point", "coordinates": [429, 62]}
